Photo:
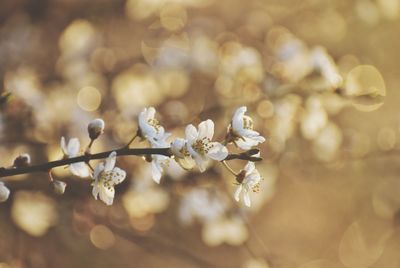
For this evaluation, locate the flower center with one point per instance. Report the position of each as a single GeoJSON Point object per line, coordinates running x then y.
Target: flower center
{"type": "Point", "coordinates": [106, 178]}
{"type": "Point", "coordinates": [154, 123]}
{"type": "Point", "coordinates": [202, 146]}
{"type": "Point", "coordinates": [184, 151]}
{"type": "Point", "coordinates": [247, 123]}
{"type": "Point", "coordinates": [256, 188]}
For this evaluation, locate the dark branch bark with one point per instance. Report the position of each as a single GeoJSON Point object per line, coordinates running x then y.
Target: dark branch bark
{"type": "Point", "coordinates": [45, 167]}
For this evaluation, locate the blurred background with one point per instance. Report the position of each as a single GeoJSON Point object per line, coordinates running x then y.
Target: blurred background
{"type": "Point", "coordinates": [320, 79]}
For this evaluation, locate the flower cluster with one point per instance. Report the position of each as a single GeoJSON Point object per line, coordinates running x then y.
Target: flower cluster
{"type": "Point", "coordinates": [197, 148]}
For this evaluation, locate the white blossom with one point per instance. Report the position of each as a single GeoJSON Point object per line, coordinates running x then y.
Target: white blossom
{"type": "Point", "coordinates": [159, 162]}
{"type": "Point", "coordinates": [241, 131]}
{"type": "Point", "coordinates": [149, 127]}
{"type": "Point", "coordinates": [96, 128]}
{"type": "Point", "coordinates": [181, 153]}
{"type": "Point", "coordinates": [4, 192]}
{"type": "Point", "coordinates": [200, 146]}
{"type": "Point", "coordinates": [71, 150]}
{"type": "Point", "coordinates": [106, 175]}
{"type": "Point", "coordinates": [249, 180]}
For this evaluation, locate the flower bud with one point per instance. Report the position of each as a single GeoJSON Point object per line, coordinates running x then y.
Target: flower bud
{"type": "Point", "coordinates": [59, 187]}
{"type": "Point", "coordinates": [96, 128]}
{"type": "Point", "coordinates": [22, 160]}
{"type": "Point", "coordinates": [4, 192]}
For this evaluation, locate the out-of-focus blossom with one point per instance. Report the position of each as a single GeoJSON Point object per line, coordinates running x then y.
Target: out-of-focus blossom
{"type": "Point", "coordinates": [292, 59]}
{"type": "Point", "coordinates": [33, 212]}
{"type": "Point", "coordinates": [249, 180]}
{"type": "Point", "coordinates": [4, 192]}
{"type": "Point", "coordinates": [284, 121]}
{"type": "Point", "coordinates": [241, 132]}
{"type": "Point", "coordinates": [202, 205]}
{"type": "Point", "coordinates": [96, 128]}
{"type": "Point", "coordinates": [106, 175]}
{"type": "Point", "coordinates": [145, 197]}
{"type": "Point", "coordinates": [200, 146]}
{"type": "Point", "coordinates": [326, 145]}
{"type": "Point", "coordinates": [314, 118]}
{"type": "Point", "coordinates": [225, 230]}
{"type": "Point", "coordinates": [241, 63]}
{"type": "Point", "coordinates": [72, 150]}
{"type": "Point", "coordinates": [323, 62]}
{"type": "Point", "coordinates": [256, 263]}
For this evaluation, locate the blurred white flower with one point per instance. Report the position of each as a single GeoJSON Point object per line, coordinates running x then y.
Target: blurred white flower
{"type": "Point", "coordinates": [149, 127]}
{"type": "Point", "coordinates": [314, 118]}
{"type": "Point", "coordinates": [231, 230]}
{"type": "Point", "coordinates": [203, 205]}
{"type": "Point", "coordinates": [96, 128]}
{"type": "Point", "coordinates": [4, 192]}
{"type": "Point", "coordinates": [241, 131]}
{"type": "Point", "coordinates": [71, 150]}
{"type": "Point", "coordinates": [249, 180]}
{"type": "Point", "coordinates": [106, 175]}
{"type": "Point", "coordinates": [323, 62]}
{"type": "Point", "coordinates": [181, 153]}
{"type": "Point", "coordinates": [34, 212]}
{"type": "Point", "coordinates": [159, 162]}
{"type": "Point", "coordinates": [200, 146]}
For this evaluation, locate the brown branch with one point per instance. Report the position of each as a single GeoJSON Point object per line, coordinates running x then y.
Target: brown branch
{"type": "Point", "coordinates": [45, 167]}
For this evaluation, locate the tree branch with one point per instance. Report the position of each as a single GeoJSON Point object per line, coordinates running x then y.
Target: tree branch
{"type": "Point", "coordinates": [45, 167]}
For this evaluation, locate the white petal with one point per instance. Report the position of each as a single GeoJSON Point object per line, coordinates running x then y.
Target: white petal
{"type": "Point", "coordinates": [110, 161]}
{"type": "Point", "coordinates": [4, 192]}
{"type": "Point", "coordinates": [218, 151]}
{"type": "Point", "coordinates": [97, 170]}
{"type": "Point", "coordinates": [176, 147]}
{"type": "Point", "coordinates": [95, 190]}
{"type": "Point", "coordinates": [237, 192]}
{"type": "Point", "coordinates": [246, 198]}
{"type": "Point", "coordinates": [117, 176]}
{"type": "Point", "coordinates": [150, 113]}
{"type": "Point", "coordinates": [73, 147]}
{"type": "Point", "coordinates": [186, 163]}
{"type": "Point", "coordinates": [63, 146]}
{"type": "Point", "coordinates": [250, 166]}
{"type": "Point", "coordinates": [245, 143]}
{"type": "Point", "coordinates": [142, 118]}
{"type": "Point", "coordinates": [191, 133]}
{"type": "Point", "coordinates": [206, 129]}
{"type": "Point", "coordinates": [201, 163]}
{"type": "Point", "coordinates": [79, 169]}
{"type": "Point", "coordinates": [252, 179]}
{"type": "Point", "coordinates": [237, 120]}
{"type": "Point", "coordinates": [251, 134]}
{"type": "Point", "coordinates": [156, 172]}
{"type": "Point", "coordinates": [107, 195]}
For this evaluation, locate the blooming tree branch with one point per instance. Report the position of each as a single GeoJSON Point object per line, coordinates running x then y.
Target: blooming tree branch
{"type": "Point", "coordinates": [196, 149]}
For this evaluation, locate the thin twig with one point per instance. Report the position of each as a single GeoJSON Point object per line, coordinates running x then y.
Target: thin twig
{"type": "Point", "coordinates": [229, 168]}
{"type": "Point", "coordinates": [45, 167]}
